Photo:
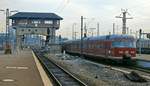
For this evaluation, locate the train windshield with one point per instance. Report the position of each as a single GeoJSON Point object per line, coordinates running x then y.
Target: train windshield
{"type": "Point", "coordinates": [124, 44]}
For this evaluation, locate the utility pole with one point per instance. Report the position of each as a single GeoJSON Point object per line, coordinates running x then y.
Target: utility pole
{"type": "Point", "coordinates": [85, 30]}
{"type": "Point", "coordinates": [7, 45]}
{"type": "Point", "coordinates": [92, 31]}
{"type": "Point", "coordinates": [140, 33]}
{"type": "Point", "coordinates": [81, 36]}
{"type": "Point", "coordinates": [109, 33]}
{"type": "Point", "coordinates": [7, 24]}
{"type": "Point", "coordinates": [73, 30]}
{"type": "Point", "coordinates": [127, 30]}
{"type": "Point", "coordinates": [124, 18]}
{"type": "Point", "coordinates": [98, 29]}
{"type": "Point", "coordinates": [113, 28]}
{"type": "Point", "coordinates": [130, 31]}
{"type": "Point", "coordinates": [117, 32]}
{"type": "Point", "coordinates": [136, 35]}
{"type": "Point", "coordinates": [75, 34]}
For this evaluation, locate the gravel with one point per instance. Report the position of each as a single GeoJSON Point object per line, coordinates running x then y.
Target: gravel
{"type": "Point", "coordinates": [93, 74]}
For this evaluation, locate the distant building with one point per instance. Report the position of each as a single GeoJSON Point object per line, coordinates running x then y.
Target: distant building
{"type": "Point", "coordinates": [59, 40]}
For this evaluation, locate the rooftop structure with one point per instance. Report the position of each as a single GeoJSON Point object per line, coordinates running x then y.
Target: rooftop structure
{"type": "Point", "coordinates": [35, 15]}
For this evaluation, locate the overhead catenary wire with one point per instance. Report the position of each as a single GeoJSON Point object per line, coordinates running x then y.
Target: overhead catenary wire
{"type": "Point", "coordinates": [62, 5]}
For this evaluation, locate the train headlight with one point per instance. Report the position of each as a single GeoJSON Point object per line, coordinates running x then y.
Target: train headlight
{"type": "Point", "coordinates": [126, 52]}
{"type": "Point", "coordinates": [109, 51]}
{"type": "Point", "coordinates": [132, 52]}
{"type": "Point", "coordinates": [120, 52]}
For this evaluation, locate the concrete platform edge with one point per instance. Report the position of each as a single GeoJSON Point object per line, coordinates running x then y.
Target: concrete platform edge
{"type": "Point", "coordinates": [45, 79]}
{"type": "Point", "coordinates": [143, 60]}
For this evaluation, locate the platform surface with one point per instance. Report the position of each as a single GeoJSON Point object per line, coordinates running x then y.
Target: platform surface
{"type": "Point", "coordinates": [143, 57]}
{"type": "Point", "coordinates": [19, 70]}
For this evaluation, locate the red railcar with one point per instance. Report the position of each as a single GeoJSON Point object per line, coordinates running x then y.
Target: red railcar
{"type": "Point", "coordinates": [113, 47]}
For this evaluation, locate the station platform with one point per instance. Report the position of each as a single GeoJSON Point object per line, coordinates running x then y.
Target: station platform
{"type": "Point", "coordinates": [144, 57]}
{"type": "Point", "coordinates": [22, 69]}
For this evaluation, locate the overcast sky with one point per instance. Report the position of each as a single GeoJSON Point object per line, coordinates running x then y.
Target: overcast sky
{"type": "Point", "coordinates": [102, 11]}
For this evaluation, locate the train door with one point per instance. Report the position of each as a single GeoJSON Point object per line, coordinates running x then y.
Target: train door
{"type": "Point", "coordinates": [107, 46]}
{"type": "Point", "coordinates": [107, 49]}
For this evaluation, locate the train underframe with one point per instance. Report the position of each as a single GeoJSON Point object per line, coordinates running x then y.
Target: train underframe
{"type": "Point", "coordinates": [125, 60]}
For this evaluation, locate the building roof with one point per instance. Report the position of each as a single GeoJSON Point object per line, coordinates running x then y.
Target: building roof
{"type": "Point", "coordinates": [35, 15]}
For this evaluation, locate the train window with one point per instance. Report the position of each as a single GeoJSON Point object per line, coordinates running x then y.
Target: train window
{"type": "Point", "coordinates": [89, 45]}
{"type": "Point", "coordinates": [98, 46]}
{"type": "Point", "coordinates": [102, 45]}
{"type": "Point", "coordinates": [84, 46]}
{"type": "Point", "coordinates": [92, 45]}
{"type": "Point", "coordinates": [124, 44]}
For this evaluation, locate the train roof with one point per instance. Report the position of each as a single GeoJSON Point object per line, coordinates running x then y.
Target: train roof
{"type": "Point", "coordinates": [70, 41]}
{"type": "Point", "coordinates": [105, 37]}
{"type": "Point", "coordinates": [110, 37]}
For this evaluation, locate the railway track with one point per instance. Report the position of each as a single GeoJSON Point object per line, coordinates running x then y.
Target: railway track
{"type": "Point", "coordinates": [125, 69]}
{"type": "Point", "coordinates": [59, 75]}
{"type": "Point", "coordinates": [135, 68]}
{"type": "Point", "coordinates": [132, 67]}
{"type": "Point", "coordinates": [140, 69]}
{"type": "Point", "coordinates": [128, 70]}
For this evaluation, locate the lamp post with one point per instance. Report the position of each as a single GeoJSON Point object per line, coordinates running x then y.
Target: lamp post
{"type": "Point", "coordinates": [7, 13]}
{"type": "Point", "coordinates": [73, 31]}
{"type": "Point", "coordinates": [75, 35]}
{"type": "Point", "coordinates": [81, 46]}
{"type": "Point", "coordinates": [140, 33]}
{"type": "Point", "coordinates": [92, 31]}
{"type": "Point", "coordinates": [86, 25]}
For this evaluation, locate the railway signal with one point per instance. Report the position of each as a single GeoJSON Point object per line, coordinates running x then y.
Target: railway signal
{"type": "Point", "coordinates": [140, 32]}
{"type": "Point", "coordinates": [148, 36]}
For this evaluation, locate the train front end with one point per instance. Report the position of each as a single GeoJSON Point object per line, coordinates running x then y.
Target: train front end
{"type": "Point", "coordinates": [124, 49]}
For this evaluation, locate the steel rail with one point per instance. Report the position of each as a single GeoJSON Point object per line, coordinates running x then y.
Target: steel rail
{"type": "Point", "coordinates": [60, 76]}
